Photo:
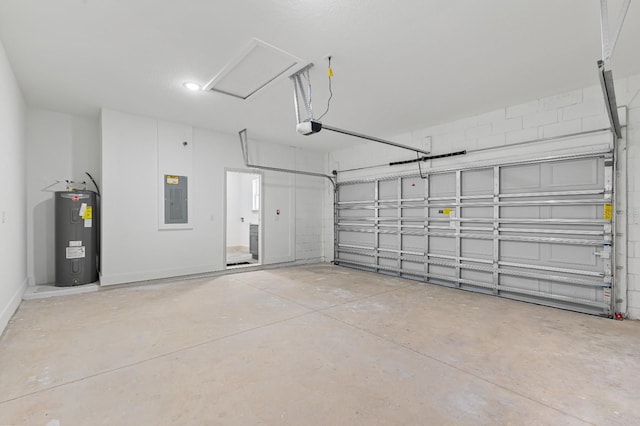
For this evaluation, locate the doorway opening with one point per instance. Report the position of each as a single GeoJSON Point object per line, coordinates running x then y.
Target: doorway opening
{"type": "Point", "coordinates": [243, 219]}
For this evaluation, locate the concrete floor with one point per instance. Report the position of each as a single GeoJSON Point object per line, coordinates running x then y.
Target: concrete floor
{"type": "Point", "coordinates": [310, 345]}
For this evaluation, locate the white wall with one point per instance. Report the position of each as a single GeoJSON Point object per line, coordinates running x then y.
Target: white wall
{"type": "Point", "coordinates": [13, 231]}
{"type": "Point", "coordinates": [239, 205]}
{"type": "Point", "coordinates": [311, 219]}
{"type": "Point", "coordinates": [633, 190]}
{"type": "Point", "coordinates": [59, 147]}
{"type": "Point", "coordinates": [565, 113]}
{"type": "Point", "coordinates": [175, 158]}
{"type": "Point", "coordinates": [134, 249]}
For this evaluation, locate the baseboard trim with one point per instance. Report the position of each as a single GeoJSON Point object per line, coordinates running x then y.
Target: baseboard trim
{"type": "Point", "coordinates": [12, 306]}
{"type": "Point", "coordinates": [126, 278]}
{"type": "Point", "coordinates": [211, 274]}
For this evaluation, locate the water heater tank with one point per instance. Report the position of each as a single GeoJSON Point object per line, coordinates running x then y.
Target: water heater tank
{"type": "Point", "coordinates": [76, 237]}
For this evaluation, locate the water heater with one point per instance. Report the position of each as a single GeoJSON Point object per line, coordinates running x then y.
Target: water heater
{"type": "Point", "coordinates": [76, 237]}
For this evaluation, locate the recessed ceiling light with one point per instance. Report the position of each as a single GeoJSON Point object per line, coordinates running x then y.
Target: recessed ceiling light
{"type": "Point", "coordinates": [192, 86]}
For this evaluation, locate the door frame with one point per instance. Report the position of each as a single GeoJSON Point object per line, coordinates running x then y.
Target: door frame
{"type": "Point", "coordinates": [260, 215]}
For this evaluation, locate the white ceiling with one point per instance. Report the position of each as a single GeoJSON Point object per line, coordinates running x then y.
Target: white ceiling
{"type": "Point", "coordinates": [399, 65]}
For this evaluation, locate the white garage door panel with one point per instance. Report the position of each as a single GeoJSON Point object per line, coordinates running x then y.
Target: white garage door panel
{"type": "Point", "coordinates": [523, 212]}
{"type": "Point", "coordinates": [387, 190]}
{"type": "Point", "coordinates": [571, 212]}
{"type": "Point", "coordinates": [477, 275]}
{"type": "Point", "coordinates": [354, 213]}
{"type": "Point", "coordinates": [486, 212]}
{"type": "Point", "coordinates": [356, 258]}
{"type": "Point", "coordinates": [412, 212]}
{"type": "Point", "coordinates": [412, 266]}
{"type": "Point", "coordinates": [576, 174]}
{"type": "Point", "coordinates": [444, 271]}
{"type": "Point", "coordinates": [534, 231]}
{"type": "Point", "coordinates": [389, 241]}
{"type": "Point", "coordinates": [479, 249]}
{"type": "Point", "coordinates": [442, 245]}
{"type": "Point", "coordinates": [412, 187]}
{"type": "Point", "coordinates": [387, 262]}
{"type": "Point", "coordinates": [574, 255]}
{"type": "Point", "coordinates": [359, 192]}
{"type": "Point", "coordinates": [443, 185]}
{"type": "Point", "coordinates": [477, 182]}
{"type": "Point", "coordinates": [514, 251]}
{"type": "Point", "coordinates": [413, 243]}
{"type": "Point", "coordinates": [517, 178]}
{"type": "Point", "coordinates": [357, 238]}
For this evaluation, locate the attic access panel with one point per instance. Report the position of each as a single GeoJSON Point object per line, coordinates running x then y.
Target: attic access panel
{"type": "Point", "coordinates": [255, 67]}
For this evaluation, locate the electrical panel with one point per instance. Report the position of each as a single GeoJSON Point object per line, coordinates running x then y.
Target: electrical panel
{"type": "Point", "coordinates": [175, 199]}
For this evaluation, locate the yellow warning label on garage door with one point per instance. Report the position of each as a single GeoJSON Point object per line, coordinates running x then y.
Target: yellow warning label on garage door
{"type": "Point", "coordinates": [173, 180]}
{"type": "Point", "coordinates": [607, 213]}
{"type": "Point", "coordinates": [446, 212]}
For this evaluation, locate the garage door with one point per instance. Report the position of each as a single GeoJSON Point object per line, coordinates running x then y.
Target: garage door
{"type": "Point", "coordinates": [537, 231]}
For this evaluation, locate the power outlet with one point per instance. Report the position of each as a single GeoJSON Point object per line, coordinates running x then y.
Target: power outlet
{"type": "Point", "coordinates": [4, 216]}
